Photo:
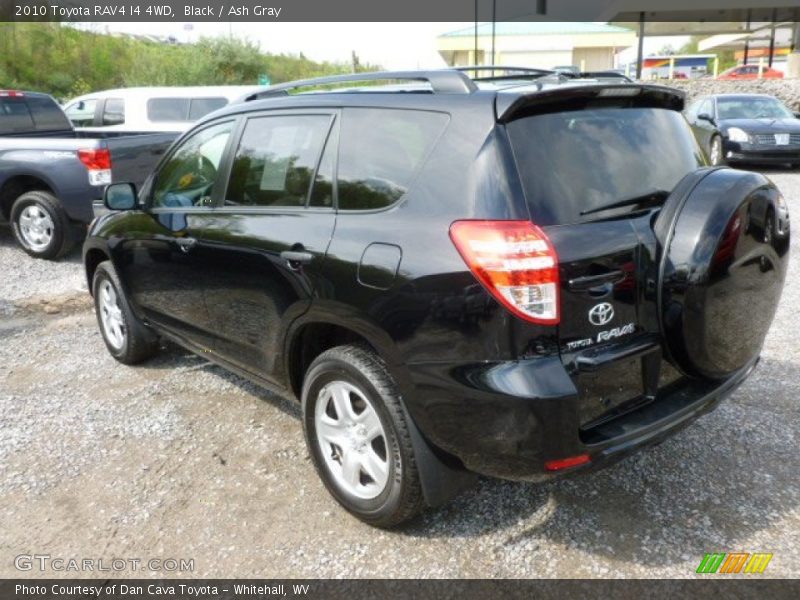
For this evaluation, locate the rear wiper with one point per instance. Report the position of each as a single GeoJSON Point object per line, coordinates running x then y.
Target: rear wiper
{"type": "Point", "coordinates": [651, 196]}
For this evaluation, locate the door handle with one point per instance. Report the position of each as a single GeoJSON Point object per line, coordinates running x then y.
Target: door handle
{"type": "Point", "coordinates": [185, 244]}
{"type": "Point", "coordinates": [296, 258]}
{"type": "Point", "coordinates": [584, 284]}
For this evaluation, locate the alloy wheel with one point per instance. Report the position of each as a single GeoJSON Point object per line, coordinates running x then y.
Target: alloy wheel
{"type": "Point", "coordinates": [352, 440]}
{"type": "Point", "coordinates": [111, 315]}
{"type": "Point", "coordinates": [36, 227]}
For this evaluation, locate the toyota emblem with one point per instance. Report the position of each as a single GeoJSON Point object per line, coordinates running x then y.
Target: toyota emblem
{"type": "Point", "coordinates": [600, 314]}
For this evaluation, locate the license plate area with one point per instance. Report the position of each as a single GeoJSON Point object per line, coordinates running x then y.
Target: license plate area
{"type": "Point", "coordinates": [604, 391]}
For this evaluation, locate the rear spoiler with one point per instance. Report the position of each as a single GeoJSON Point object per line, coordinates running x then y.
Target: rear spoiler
{"type": "Point", "coordinates": [512, 104]}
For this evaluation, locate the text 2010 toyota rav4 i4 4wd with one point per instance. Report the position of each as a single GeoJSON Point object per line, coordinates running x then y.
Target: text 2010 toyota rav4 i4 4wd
{"type": "Point", "coordinates": [512, 277]}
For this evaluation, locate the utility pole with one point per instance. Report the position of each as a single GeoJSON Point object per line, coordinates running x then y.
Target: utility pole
{"type": "Point", "coordinates": [640, 53]}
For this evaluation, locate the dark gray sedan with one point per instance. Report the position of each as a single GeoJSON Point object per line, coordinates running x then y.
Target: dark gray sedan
{"type": "Point", "coordinates": [746, 128]}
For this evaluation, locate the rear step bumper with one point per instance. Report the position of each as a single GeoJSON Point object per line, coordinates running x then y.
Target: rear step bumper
{"type": "Point", "coordinates": [507, 419]}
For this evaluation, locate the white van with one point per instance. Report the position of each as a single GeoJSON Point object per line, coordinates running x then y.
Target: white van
{"type": "Point", "coordinates": [150, 108]}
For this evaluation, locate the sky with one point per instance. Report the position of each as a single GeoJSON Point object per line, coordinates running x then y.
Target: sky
{"type": "Point", "coordinates": [390, 45]}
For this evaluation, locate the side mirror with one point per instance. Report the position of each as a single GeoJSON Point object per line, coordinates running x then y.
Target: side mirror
{"type": "Point", "coordinates": [120, 196]}
{"type": "Point", "coordinates": [705, 117]}
{"type": "Point", "coordinates": [796, 115]}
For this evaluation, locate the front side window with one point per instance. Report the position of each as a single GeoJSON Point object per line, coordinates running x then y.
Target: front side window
{"type": "Point", "coordinates": [189, 175]}
{"type": "Point", "coordinates": [276, 160]}
{"type": "Point", "coordinates": [114, 112]}
{"type": "Point", "coordinates": [380, 152]}
{"type": "Point", "coordinates": [81, 113]}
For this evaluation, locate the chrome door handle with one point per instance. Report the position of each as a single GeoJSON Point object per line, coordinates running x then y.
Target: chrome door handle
{"type": "Point", "coordinates": [296, 258]}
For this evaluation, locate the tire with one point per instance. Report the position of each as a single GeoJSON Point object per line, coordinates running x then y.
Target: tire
{"type": "Point", "coordinates": [769, 227]}
{"type": "Point", "coordinates": [127, 339]}
{"type": "Point", "coordinates": [715, 151]}
{"type": "Point", "coordinates": [344, 391]}
{"type": "Point", "coordinates": [41, 226]}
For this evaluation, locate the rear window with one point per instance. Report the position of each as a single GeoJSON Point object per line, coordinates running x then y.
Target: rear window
{"type": "Point", "coordinates": [379, 153]}
{"type": "Point", "coordinates": [573, 162]}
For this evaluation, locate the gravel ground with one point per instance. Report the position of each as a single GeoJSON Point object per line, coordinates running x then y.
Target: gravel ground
{"type": "Point", "coordinates": [178, 459]}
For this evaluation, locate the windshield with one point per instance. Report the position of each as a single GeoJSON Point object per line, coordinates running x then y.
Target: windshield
{"type": "Point", "coordinates": [573, 163]}
{"type": "Point", "coordinates": [751, 108]}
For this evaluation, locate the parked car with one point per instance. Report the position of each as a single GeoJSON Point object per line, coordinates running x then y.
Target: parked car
{"type": "Point", "coordinates": [150, 108]}
{"type": "Point", "coordinates": [745, 128]}
{"type": "Point", "coordinates": [521, 282]}
{"type": "Point", "coordinates": [750, 72]}
{"type": "Point", "coordinates": [50, 174]}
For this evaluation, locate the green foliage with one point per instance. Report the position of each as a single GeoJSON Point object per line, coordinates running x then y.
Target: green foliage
{"type": "Point", "coordinates": [67, 62]}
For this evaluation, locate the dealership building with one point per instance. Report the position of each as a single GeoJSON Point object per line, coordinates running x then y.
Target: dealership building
{"type": "Point", "coordinates": [591, 46]}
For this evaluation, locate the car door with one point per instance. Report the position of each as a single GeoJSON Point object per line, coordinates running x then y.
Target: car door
{"type": "Point", "coordinates": [163, 260]}
{"type": "Point", "coordinates": [703, 128]}
{"type": "Point", "coordinates": [270, 235]}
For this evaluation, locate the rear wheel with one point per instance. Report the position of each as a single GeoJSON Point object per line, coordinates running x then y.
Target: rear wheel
{"type": "Point", "coordinates": [41, 226]}
{"type": "Point", "coordinates": [127, 339]}
{"type": "Point", "coordinates": [715, 153]}
{"type": "Point", "coordinates": [358, 437]}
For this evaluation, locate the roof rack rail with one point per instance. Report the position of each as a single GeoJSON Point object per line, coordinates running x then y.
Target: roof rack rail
{"type": "Point", "coordinates": [504, 72]}
{"type": "Point", "coordinates": [445, 81]}
{"type": "Point", "coordinates": [504, 68]}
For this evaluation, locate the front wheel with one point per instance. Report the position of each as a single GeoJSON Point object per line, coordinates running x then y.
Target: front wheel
{"type": "Point", "coordinates": [715, 155]}
{"type": "Point", "coordinates": [358, 436]}
{"type": "Point", "coordinates": [41, 226]}
{"type": "Point", "coordinates": [127, 339]}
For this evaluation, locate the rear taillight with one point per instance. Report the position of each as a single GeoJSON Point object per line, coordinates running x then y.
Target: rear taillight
{"type": "Point", "coordinates": [516, 262]}
{"type": "Point", "coordinates": [98, 163]}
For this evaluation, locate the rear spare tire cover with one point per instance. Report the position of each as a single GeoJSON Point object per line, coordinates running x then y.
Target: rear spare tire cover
{"type": "Point", "coordinates": [721, 272]}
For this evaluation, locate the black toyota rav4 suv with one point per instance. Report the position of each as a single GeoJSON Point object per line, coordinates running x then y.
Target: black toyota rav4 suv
{"type": "Point", "coordinates": [518, 277]}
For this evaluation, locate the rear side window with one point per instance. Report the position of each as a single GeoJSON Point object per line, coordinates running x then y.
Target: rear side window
{"type": "Point", "coordinates": [200, 107]}
{"type": "Point", "coordinates": [14, 115]}
{"type": "Point", "coordinates": [276, 160]}
{"type": "Point", "coordinates": [168, 109]}
{"type": "Point", "coordinates": [47, 114]}
{"type": "Point", "coordinates": [114, 111]}
{"type": "Point", "coordinates": [573, 162]}
{"type": "Point", "coordinates": [380, 152]}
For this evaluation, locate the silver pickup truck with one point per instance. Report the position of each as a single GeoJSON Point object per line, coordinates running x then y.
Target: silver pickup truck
{"type": "Point", "coordinates": [51, 175]}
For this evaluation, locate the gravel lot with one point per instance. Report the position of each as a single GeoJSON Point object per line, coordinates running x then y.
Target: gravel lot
{"type": "Point", "coordinates": [178, 459]}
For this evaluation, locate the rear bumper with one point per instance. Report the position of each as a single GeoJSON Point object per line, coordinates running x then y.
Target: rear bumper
{"type": "Point", "coordinates": [507, 419]}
